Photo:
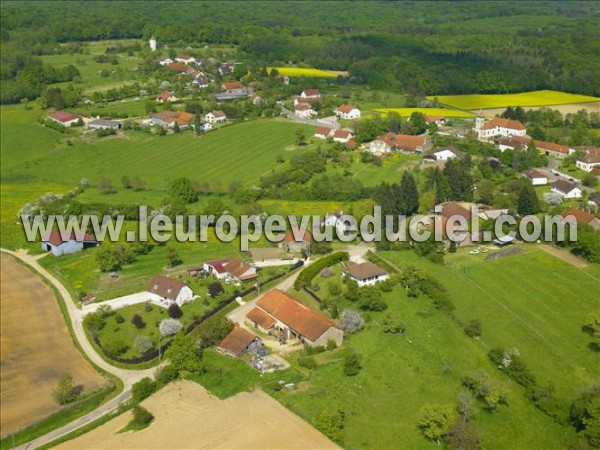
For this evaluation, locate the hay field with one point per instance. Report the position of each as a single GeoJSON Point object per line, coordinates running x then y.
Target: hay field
{"type": "Point", "coordinates": [35, 349]}
{"type": "Point", "coordinates": [186, 416]}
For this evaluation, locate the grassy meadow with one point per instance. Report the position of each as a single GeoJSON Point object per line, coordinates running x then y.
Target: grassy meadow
{"type": "Point", "coordinates": [533, 98]}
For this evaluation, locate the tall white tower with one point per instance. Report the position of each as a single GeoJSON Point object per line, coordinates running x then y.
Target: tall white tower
{"type": "Point", "coordinates": [153, 43]}
{"type": "Point", "coordinates": [479, 123]}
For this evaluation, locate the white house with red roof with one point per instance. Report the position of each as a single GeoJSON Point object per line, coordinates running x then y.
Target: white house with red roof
{"type": "Point", "coordinates": [167, 290]}
{"type": "Point", "coordinates": [304, 110]}
{"type": "Point", "coordinates": [590, 160]}
{"type": "Point", "coordinates": [323, 132]}
{"type": "Point", "coordinates": [63, 244]}
{"type": "Point", "coordinates": [165, 61]}
{"type": "Point", "coordinates": [215, 117]}
{"type": "Point", "coordinates": [342, 136]}
{"type": "Point", "coordinates": [536, 177]}
{"type": "Point", "coordinates": [230, 269]}
{"type": "Point", "coordinates": [66, 119]}
{"type": "Point", "coordinates": [185, 59]}
{"type": "Point", "coordinates": [311, 93]}
{"type": "Point", "coordinates": [166, 96]}
{"type": "Point", "coordinates": [498, 127]}
{"type": "Point", "coordinates": [347, 112]}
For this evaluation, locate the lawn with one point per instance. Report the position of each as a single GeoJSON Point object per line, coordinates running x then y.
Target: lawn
{"type": "Point", "coordinates": [406, 112]}
{"type": "Point", "coordinates": [304, 72]}
{"type": "Point", "coordinates": [534, 98]}
{"type": "Point", "coordinates": [401, 373]}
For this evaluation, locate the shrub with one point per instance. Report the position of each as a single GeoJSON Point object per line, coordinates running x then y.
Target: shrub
{"type": "Point", "coordinates": [213, 330]}
{"type": "Point", "coordinates": [142, 389]}
{"type": "Point", "coordinates": [435, 420]}
{"type": "Point", "coordinates": [141, 418]}
{"type": "Point", "coordinates": [175, 311]}
{"type": "Point", "coordinates": [334, 289]}
{"type": "Point", "coordinates": [352, 364]}
{"type": "Point", "coordinates": [65, 391]}
{"type": "Point", "coordinates": [331, 345]}
{"type": "Point", "coordinates": [473, 328]}
{"type": "Point", "coordinates": [370, 298]}
{"type": "Point", "coordinates": [169, 327]}
{"type": "Point", "coordinates": [308, 273]}
{"type": "Point", "coordinates": [215, 289]}
{"type": "Point", "coordinates": [143, 344]}
{"type": "Point", "coordinates": [331, 423]}
{"type": "Point", "coordinates": [185, 354]}
{"type": "Point", "coordinates": [491, 392]}
{"type": "Point", "coordinates": [352, 321]}
{"type": "Point", "coordinates": [116, 347]}
{"type": "Point", "coordinates": [119, 318]}
{"type": "Point", "coordinates": [335, 312]}
{"type": "Point", "coordinates": [166, 374]}
{"type": "Point", "coordinates": [393, 325]}
{"type": "Point", "coordinates": [308, 362]}
{"type": "Point", "coordinates": [138, 321]}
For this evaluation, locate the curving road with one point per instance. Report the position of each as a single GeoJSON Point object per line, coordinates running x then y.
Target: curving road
{"type": "Point", "coordinates": [128, 377]}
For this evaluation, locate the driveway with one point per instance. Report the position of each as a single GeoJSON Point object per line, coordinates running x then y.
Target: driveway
{"type": "Point", "coordinates": [120, 302]}
{"type": "Point", "coordinates": [330, 122]}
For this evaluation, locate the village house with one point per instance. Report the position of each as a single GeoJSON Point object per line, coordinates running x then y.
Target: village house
{"type": "Point", "coordinates": [442, 154]}
{"type": "Point", "coordinates": [337, 220]}
{"type": "Point", "coordinates": [582, 216]}
{"type": "Point", "coordinates": [204, 127]}
{"type": "Point", "coordinates": [310, 93]}
{"type": "Point", "coordinates": [63, 244]}
{"type": "Point", "coordinates": [291, 243]}
{"type": "Point", "coordinates": [201, 81]}
{"type": "Point", "coordinates": [306, 101]}
{"type": "Point", "coordinates": [234, 88]}
{"type": "Point", "coordinates": [365, 274]}
{"type": "Point", "coordinates": [323, 132]}
{"type": "Point", "coordinates": [389, 142]}
{"type": "Point", "coordinates": [233, 269]}
{"type": "Point", "coordinates": [238, 342]}
{"type": "Point", "coordinates": [215, 117]}
{"type": "Point", "coordinates": [566, 189]}
{"type": "Point", "coordinates": [182, 68]}
{"type": "Point", "coordinates": [255, 99]}
{"type": "Point", "coordinates": [438, 120]}
{"type": "Point", "coordinates": [104, 124]}
{"type": "Point", "coordinates": [342, 136]}
{"type": "Point", "coordinates": [514, 143]}
{"type": "Point", "coordinates": [347, 112]}
{"type": "Point", "coordinates": [168, 119]}
{"type": "Point", "coordinates": [285, 80]}
{"type": "Point", "coordinates": [166, 96]}
{"type": "Point", "coordinates": [304, 110]}
{"type": "Point", "coordinates": [66, 119]}
{"type": "Point", "coordinates": [226, 69]}
{"type": "Point", "coordinates": [551, 149]}
{"type": "Point", "coordinates": [165, 61]}
{"type": "Point", "coordinates": [169, 290]}
{"type": "Point", "coordinates": [185, 59]}
{"type": "Point", "coordinates": [590, 160]}
{"type": "Point", "coordinates": [498, 127]}
{"type": "Point", "coordinates": [285, 317]}
{"type": "Point", "coordinates": [536, 177]}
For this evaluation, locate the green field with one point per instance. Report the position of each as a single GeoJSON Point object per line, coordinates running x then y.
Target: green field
{"type": "Point", "coordinates": [534, 98]}
{"type": "Point", "coordinates": [401, 373]}
{"type": "Point", "coordinates": [406, 112]}
{"type": "Point", "coordinates": [304, 72]}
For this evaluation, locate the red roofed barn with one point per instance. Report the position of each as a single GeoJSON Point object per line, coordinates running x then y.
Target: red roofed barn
{"type": "Point", "coordinates": [63, 244]}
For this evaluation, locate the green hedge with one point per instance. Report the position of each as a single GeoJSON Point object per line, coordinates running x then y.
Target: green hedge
{"type": "Point", "coordinates": [307, 274]}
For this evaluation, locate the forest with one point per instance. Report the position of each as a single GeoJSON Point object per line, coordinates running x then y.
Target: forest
{"type": "Point", "coordinates": [418, 48]}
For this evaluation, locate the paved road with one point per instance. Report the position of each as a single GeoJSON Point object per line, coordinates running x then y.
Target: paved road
{"type": "Point", "coordinates": [128, 377]}
{"type": "Point", "coordinates": [330, 122]}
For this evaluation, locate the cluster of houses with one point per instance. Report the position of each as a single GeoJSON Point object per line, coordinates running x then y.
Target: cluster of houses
{"type": "Point", "coordinates": [385, 144]}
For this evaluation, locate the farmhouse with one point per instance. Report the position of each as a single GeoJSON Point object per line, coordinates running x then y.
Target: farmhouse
{"type": "Point", "coordinates": [215, 117]}
{"type": "Point", "coordinates": [453, 209]}
{"type": "Point", "coordinates": [383, 144]}
{"type": "Point", "coordinates": [234, 88]}
{"type": "Point", "coordinates": [166, 96]}
{"type": "Point", "coordinates": [185, 59]}
{"type": "Point", "coordinates": [498, 127]}
{"type": "Point", "coordinates": [292, 319]}
{"type": "Point", "coordinates": [181, 68]}
{"type": "Point", "coordinates": [311, 93]}
{"type": "Point", "coordinates": [536, 177]}
{"type": "Point", "coordinates": [513, 143]}
{"type": "Point", "coordinates": [226, 69]}
{"type": "Point", "coordinates": [590, 160]}
{"type": "Point", "coordinates": [66, 119]}
{"type": "Point", "coordinates": [438, 120]}
{"type": "Point", "coordinates": [582, 216]}
{"type": "Point", "coordinates": [442, 154]}
{"type": "Point", "coordinates": [553, 149]}
{"type": "Point", "coordinates": [238, 342]}
{"type": "Point", "coordinates": [304, 110]}
{"type": "Point", "coordinates": [233, 269]}
{"type": "Point", "coordinates": [566, 189]}
{"type": "Point", "coordinates": [168, 119]}
{"type": "Point", "coordinates": [103, 124]}
{"type": "Point", "coordinates": [408, 143]}
{"type": "Point", "coordinates": [292, 243]}
{"type": "Point", "coordinates": [347, 112]}
{"type": "Point", "coordinates": [365, 274]}
{"type": "Point", "coordinates": [169, 290]}
{"type": "Point", "coordinates": [323, 132]}
{"type": "Point", "coordinates": [63, 244]}
{"type": "Point", "coordinates": [342, 136]}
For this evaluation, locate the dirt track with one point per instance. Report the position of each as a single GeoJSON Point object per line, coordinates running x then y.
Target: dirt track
{"type": "Point", "coordinates": [186, 416]}
{"type": "Point", "coordinates": [35, 348]}
{"type": "Point", "coordinates": [565, 256]}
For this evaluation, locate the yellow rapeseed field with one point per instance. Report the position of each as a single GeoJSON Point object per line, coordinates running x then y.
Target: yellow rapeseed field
{"type": "Point", "coordinates": [303, 72]}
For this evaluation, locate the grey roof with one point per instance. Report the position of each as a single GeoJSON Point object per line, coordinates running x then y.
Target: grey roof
{"type": "Point", "coordinates": [104, 123]}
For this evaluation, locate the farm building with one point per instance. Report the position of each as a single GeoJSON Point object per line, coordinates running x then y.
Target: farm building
{"type": "Point", "coordinates": [215, 117]}
{"type": "Point", "coordinates": [347, 112]}
{"type": "Point", "coordinates": [166, 96]}
{"type": "Point", "coordinates": [185, 59]}
{"type": "Point", "coordinates": [103, 124]}
{"type": "Point", "coordinates": [291, 243]}
{"type": "Point", "coordinates": [442, 154]}
{"type": "Point", "coordinates": [63, 244]}
{"type": "Point", "coordinates": [566, 189]}
{"type": "Point", "coordinates": [181, 68]}
{"type": "Point", "coordinates": [498, 127]}
{"type": "Point", "coordinates": [453, 209]}
{"type": "Point", "coordinates": [238, 342]}
{"type": "Point", "coordinates": [337, 220]}
{"type": "Point", "coordinates": [66, 119]}
{"type": "Point", "coordinates": [582, 216]}
{"type": "Point", "coordinates": [400, 142]}
{"type": "Point", "coordinates": [590, 160]}
{"type": "Point", "coordinates": [168, 119]}
{"type": "Point", "coordinates": [169, 290]}
{"type": "Point", "coordinates": [292, 319]}
{"type": "Point", "coordinates": [552, 149]}
{"type": "Point", "coordinates": [536, 177]}
{"type": "Point", "coordinates": [310, 93]}
{"type": "Point", "coordinates": [323, 132]}
{"type": "Point", "coordinates": [234, 88]}
{"type": "Point", "coordinates": [231, 269]}
{"type": "Point", "coordinates": [365, 274]}
{"type": "Point", "coordinates": [307, 101]}
{"type": "Point", "coordinates": [304, 110]}
{"type": "Point", "coordinates": [342, 136]}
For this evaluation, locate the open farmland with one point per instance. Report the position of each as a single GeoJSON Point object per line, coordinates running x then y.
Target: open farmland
{"type": "Point", "coordinates": [36, 349]}
{"type": "Point", "coordinates": [533, 98]}
{"type": "Point", "coordinates": [245, 421]}
{"type": "Point", "coordinates": [569, 108]}
{"type": "Point", "coordinates": [305, 72]}
{"type": "Point", "coordinates": [444, 112]}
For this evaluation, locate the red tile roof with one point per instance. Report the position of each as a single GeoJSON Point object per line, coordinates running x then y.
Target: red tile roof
{"type": "Point", "coordinates": [63, 116]}
{"type": "Point", "coordinates": [289, 237]}
{"type": "Point", "coordinates": [164, 96]}
{"type": "Point", "coordinates": [56, 238]}
{"type": "Point", "coordinates": [345, 108]}
{"type": "Point", "coordinates": [580, 215]}
{"type": "Point", "coordinates": [364, 270]}
{"type": "Point", "coordinates": [351, 144]}
{"type": "Point", "coordinates": [303, 107]}
{"type": "Point", "coordinates": [237, 341]}
{"type": "Point", "coordinates": [342, 134]}
{"type": "Point", "coordinates": [532, 173]}
{"type": "Point", "coordinates": [184, 56]}
{"type": "Point", "coordinates": [294, 314]}
{"type": "Point", "coordinates": [504, 123]}
{"type": "Point", "coordinates": [311, 92]}
{"type": "Point", "coordinates": [230, 85]}
{"type": "Point", "coordinates": [165, 287]}
{"type": "Point", "coordinates": [592, 156]}
{"type": "Point", "coordinates": [454, 209]}
{"type": "Point", "coordinates": [430, 119]}
{"type": "Point", "coordinates": [181, 67]}
{"type": "Point", "coordinates": [408, 142]}
{"type": "Point", "coordinates": [260, 318]}
{"type": "Point", "coordinates": [323, 130]}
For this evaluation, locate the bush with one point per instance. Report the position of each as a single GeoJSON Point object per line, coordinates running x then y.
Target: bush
{"type": "Point", "coordinates": [169, 327]}
{"type": "Point", "coordinates": [352, 321]}
{"type": "Point", "coordinates": [175, 311]}
{"type": "Point", "coordinates": [143, 344]}
{"type": "Point", "coordinates": [215, 289]}
{"type": "Point", "coordinates": [308, 362]}
{"type": "Point", "coordinates": [65, 391]}
{"type": "Point", "coordinates": [166, 374]}
{"type": "Point", "coordinates": [473, 328]}
{"type": "Point", "coordinates": [331, 423]}
{"type": "Point", "coordinates": [331, 345]}
{"type": "Point", "coordinates": [142, 389]}
{"type": "Point", "coordinates": [491, 392]}
{"type": "Point", "coordinates": [393, 325]}
{"type": "Point", "coordinates": [352, 364]}
{"type": "Point", "coordinates": [213, 330]}
{"type": "Point", "coordinates": [119, 318]}
{"type": "Point", "coordinates": [309, 273]}
{"type": "Point", "coordinates": [370, 298]}
{"type": "Point", "coordinates": [116, 347]}
{"type": "Point", "coordinates": [435, 421]}
{"type": "Point", "coordinates": [138, 321]}
{"type": "Point", "coordinates": [141, 418]}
